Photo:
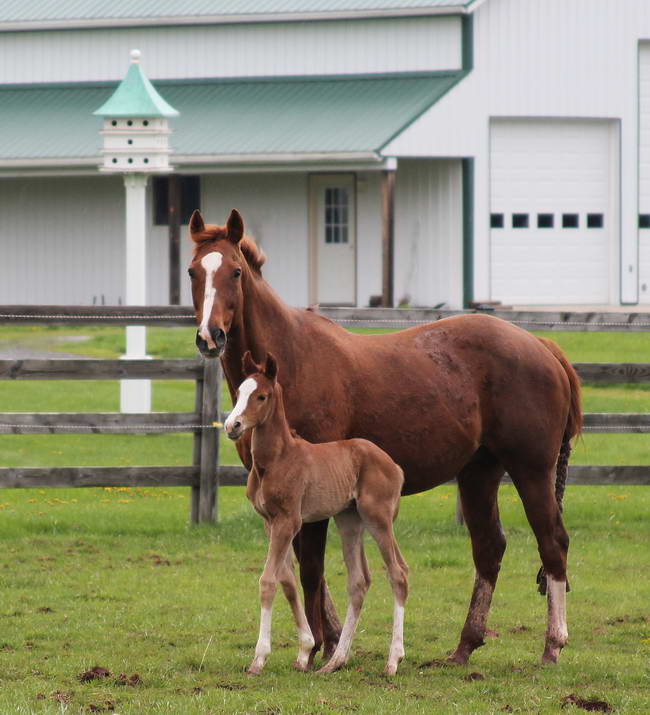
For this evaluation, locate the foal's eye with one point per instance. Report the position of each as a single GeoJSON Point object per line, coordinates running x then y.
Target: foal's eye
{"type": "Point", "coordinates": [261, 398]}
{"type": "Point", "coordinates": [191, 273]}
{"type": "Point", "coordinates": [237, 273]}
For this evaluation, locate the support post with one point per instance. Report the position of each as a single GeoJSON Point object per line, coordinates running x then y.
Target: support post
{"type": "Point", "coordinates": [460, 519]}
{"type": "Point", "coordinates": [388, 235]}
{"type": "Point", "coordinates": [135, 395]}
{"type": "Point", "coordinates": [209, 473]}
{"type": "Point", "coordinates": [174, 219]}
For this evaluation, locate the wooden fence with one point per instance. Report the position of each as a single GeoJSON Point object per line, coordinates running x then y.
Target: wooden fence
{"type": "Point", "coordinates": [204, 475]}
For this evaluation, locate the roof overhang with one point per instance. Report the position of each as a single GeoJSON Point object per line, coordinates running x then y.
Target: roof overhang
{"type": "Point", "coordinates": [234, 19]}
{"type": "Point", "coordinates": [210, 164]}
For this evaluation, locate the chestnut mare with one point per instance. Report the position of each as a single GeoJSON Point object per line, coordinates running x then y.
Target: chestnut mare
{"type": "Point", "coordinates": [292, 482]}
{"type": "Point", "coordinates": [469, 397]}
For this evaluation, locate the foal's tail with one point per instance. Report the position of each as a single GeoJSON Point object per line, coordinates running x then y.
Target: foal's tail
{"type": "Point", "coordinates": [572, 429]}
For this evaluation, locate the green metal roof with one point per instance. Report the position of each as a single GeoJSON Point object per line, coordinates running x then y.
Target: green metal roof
{"type": "Point", "coordinates": [280, 116]}
{"type": "Point", "coordinates": [52, 10]}
{"type": "Point", "coordinates": [135, 96]}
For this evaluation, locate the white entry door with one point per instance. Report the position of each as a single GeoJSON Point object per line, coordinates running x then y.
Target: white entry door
{"type": "Point", "coordinates": [333, 225]}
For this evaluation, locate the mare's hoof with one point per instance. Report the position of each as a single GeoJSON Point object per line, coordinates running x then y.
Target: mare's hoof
{"type": "Point", "coordinates": [253, 670]}
{"type": "Point", "coordinates": [458, 658]}
{"type": "Point", "coordinates": [390, 669]}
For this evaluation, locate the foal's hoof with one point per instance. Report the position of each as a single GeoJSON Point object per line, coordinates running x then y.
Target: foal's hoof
{"type": "Point", "coordinates": [550, 656]}
{"type": "Point", "coordinates": [253, 670]}
{"type": "Point", "coordinates": [302, 667]}
{"type": "Point", "coordinates": [390, 669]}
{"type": "Point", "coordinates": [330, 667]}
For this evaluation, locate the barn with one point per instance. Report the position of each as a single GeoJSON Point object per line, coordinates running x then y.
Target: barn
{"type": "Point", "coordinates": [421, 151]}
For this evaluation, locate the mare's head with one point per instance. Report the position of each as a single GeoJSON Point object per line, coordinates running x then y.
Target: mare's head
{"type": "Point", "coordinates": [255, 396]}
{"type": "Point", "coordinates": [221, 255]}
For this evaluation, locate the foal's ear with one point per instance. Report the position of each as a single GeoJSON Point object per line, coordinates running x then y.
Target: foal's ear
{"type": "Point", "coordinates": [248, 364]}
{"type": "Point", "coordinates": [235, 226]}
{"type": "Point", "coordinates": [197, 225]}
{"type": "Point", "coordinates": [271, 367]}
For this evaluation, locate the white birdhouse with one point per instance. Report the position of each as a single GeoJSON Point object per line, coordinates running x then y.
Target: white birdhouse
{"type": "Point", "coordinates": [135, 131]}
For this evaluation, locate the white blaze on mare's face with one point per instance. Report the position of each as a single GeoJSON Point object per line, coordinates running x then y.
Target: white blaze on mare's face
{"type": "Point", "coordinates": [246, 389]}
{"type": "Point", "coordinates": [211, 263]}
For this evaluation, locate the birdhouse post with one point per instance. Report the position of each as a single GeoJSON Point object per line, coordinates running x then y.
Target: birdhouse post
{"type": "Point", "coordinates": [135, 144]}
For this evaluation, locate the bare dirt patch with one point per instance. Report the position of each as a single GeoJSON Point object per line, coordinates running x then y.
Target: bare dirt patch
{"type": "Point", "coordinates": [592, 705]}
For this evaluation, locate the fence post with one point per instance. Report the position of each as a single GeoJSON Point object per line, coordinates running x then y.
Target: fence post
{"type": "Point", "coordinates": [208, 506]}
{"type": "Point", "coordinates": [460, 520]}
{"type": "Point", "coordinates": [196, 451]}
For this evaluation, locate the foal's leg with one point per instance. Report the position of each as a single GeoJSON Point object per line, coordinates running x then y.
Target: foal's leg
{"type": "Point", "coordinates": [479, 484]}
{"type": "Point", "coordinates": [381, 528]}
{"type": "Point", "coordinates": [305, 638]}
{"type": "Point", "coordinates": [537, 491]}
{"type": "Point", "coordinates": [350, 527]}
{"type": "Point", "coordinates": [309, 546]}
{"type": "Point", "coordinates": [280, 535]}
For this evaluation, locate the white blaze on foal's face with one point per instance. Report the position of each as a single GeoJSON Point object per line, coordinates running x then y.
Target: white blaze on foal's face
{"type": "Point", "coordinates": [246, 389]}
{"type": "Point", "coordinates": [210, 263]}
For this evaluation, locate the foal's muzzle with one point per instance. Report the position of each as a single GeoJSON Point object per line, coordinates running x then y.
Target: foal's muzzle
{"type": "Point", "coordinates": [218, 338]}
{"type": "Point", "coordinates": [234, 430]}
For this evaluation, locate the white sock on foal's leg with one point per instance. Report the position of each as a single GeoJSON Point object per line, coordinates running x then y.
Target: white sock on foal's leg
{"type": "Point", "coordinates": [396, 652]}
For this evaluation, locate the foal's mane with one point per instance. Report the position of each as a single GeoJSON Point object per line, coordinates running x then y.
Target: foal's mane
{"type": "Point", "coordinates": [254, 255]}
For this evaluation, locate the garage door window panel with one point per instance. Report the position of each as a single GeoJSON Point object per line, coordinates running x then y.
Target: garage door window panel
{"type": "Point", "coordinates": [545, 220]}
{"type": "Point", "coordinates": [570, 220]}
{"type": "Point", "coordinates": [520, 220]}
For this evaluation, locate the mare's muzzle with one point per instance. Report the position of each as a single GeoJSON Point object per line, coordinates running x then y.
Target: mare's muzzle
{"type": "Point", "coordinates": [218, 338]}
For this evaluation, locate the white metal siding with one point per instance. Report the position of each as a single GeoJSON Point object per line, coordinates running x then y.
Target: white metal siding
{"type": "Point", "coordinates": [62, 240]}
{"type": "Point", "coordinates": [368, 236]}
{"type": "Point", "coordinates": [314, 48]}
{"type": "Point", "coordinates": [543, 58]}
{"type": "Point", "coordinates": [429, 232]}
{"type": "Point", "coordinates": [552, 167]}
{"type": "Point", "coordinates": [274, 209]}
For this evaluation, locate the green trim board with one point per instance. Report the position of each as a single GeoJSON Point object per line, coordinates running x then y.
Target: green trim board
{"type": "Point", "coordinates": [255, 117]}
{"type": "Point", "coordinates": [468, 231]}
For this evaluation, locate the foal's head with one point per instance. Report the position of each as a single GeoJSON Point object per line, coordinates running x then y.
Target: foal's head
{"type": "Point", "coordinates": [255, 396]}
{"type": "Point", "coordinates": [221, 257]}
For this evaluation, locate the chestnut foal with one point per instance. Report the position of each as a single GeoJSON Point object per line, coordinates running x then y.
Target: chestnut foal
{"type": "Point", "coordinates": [292, 482]}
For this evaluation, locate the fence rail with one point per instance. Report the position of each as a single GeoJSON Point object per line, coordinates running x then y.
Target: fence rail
{"type": "Point", "coordinates": [205, 474]}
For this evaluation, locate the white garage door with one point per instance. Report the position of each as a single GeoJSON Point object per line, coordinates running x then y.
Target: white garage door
{"type": "Point", "coordinates": [644, 173]}
{"type": "Point", "coordinates": [554, 212]}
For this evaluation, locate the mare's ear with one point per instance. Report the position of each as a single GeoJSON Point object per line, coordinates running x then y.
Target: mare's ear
{"type": "Point", "coordinates": [197, 225]}
{"type": "Point", "coordinates": [235, 227]}
{"type": "Point", "coordinates": [271, 367]}
{"type": "Point", "coordinates": [248, 364]}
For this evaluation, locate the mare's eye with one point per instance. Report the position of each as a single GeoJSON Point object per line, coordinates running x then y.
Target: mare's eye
{"type": "Point", "coordinates": [237, 273]}
{"type": "Point", "coordinates": [261, 398]}
{"type": "Point", "coordinates": [191, 273]}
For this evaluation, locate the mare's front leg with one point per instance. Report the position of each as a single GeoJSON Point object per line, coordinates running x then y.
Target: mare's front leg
{"type": "Point", "coordinates": [325, 626]}
{"type": "Point", "coordinates": [305, 638]}
{"type": "Point", "coordinates": [281, 532]}
{"type": "Point", "coordinates": [350, 527]}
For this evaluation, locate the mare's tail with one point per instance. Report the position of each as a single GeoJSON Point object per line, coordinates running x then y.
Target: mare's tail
{"type": "Point", "coordinates": [572, 429]}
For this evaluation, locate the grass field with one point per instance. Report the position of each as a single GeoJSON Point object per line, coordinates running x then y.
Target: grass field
{"type": "Point", "coordinates": [116, 578]}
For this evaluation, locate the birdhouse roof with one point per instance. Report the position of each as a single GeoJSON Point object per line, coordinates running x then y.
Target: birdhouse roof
{"type": "Point", "coordinates": [135, 96]}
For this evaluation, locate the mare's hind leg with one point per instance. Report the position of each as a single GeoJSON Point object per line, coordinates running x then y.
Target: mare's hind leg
{"type": "Point", "coordinates": [350, 527]}
{"type": "Point", "coordinates": [309, 547]}
{"type": "Point", "coordinates": [537, 491]}
{"type": "Point", "coordinates": [479, 483]}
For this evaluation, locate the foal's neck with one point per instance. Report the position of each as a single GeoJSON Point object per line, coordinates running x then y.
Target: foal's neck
{"type": "Point", "coordinates": [273, 436]}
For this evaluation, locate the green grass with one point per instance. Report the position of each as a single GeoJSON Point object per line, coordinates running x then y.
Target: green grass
{"type": "Point", "coordinates": [117, 579]}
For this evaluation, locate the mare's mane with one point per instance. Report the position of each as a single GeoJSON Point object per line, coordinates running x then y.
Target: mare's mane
{"type": "Point", "coordinates": [254, 255]}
